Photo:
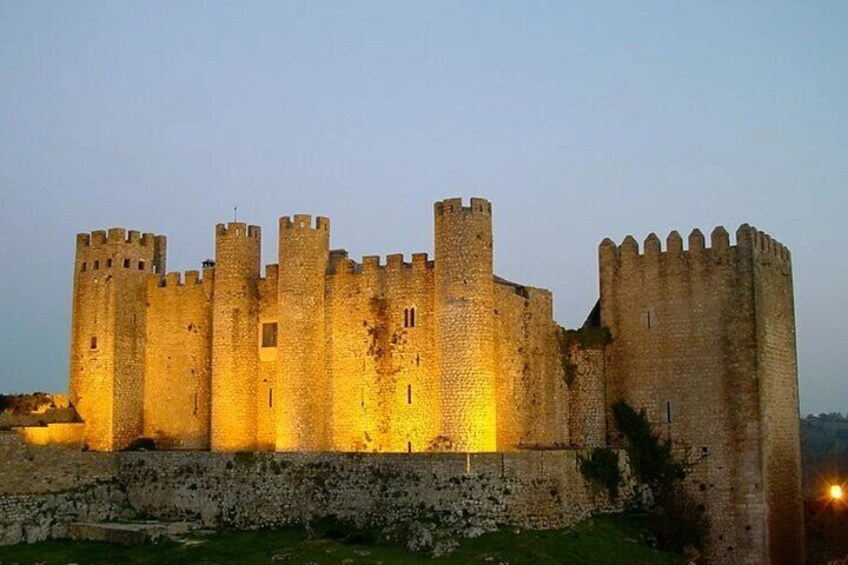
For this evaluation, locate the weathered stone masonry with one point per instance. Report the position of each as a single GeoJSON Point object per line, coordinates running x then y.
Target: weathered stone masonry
{"type": "Point", "coordinates": [324, 353]}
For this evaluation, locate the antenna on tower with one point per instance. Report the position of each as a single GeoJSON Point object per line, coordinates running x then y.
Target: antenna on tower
{"type": "Point", "coordinates": [235, 213]}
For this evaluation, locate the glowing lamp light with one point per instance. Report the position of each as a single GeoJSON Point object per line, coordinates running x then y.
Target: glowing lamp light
{"type": "Point", "coordinates": [836, 492]}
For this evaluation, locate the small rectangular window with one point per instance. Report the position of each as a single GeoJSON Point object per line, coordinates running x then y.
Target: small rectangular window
{"type": "Point", "coordinates": [108, 263]}
{"type": "Point", "coordinates": [409, 394]}
{"type": "Point", "coordinates": [648, 320]}
{"type": "Point", "coordinates": [141, 265]}
{"type": "Point", "coordinates": [269, 334]}
{"type": "Point", "coordinates": [84, 267]}
{"type": "Point", "coordinates": [96, 265]}
{"type": "Point", "coordinates": [668, 411]}
{"type": "Point", "coordinates": [270, 398]}
{"type": "Point", "coordinates": [93, 343]}
{"type": "Point", "coordinates": [409, 317]}
{"type": "Point", "coordinates": [126, 263]}
{"type": "Point", "coordinates": [409, 447]}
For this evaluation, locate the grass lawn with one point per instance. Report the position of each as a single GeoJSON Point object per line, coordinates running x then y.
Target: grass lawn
{"type": "Point", "coordinates": [603, 540]}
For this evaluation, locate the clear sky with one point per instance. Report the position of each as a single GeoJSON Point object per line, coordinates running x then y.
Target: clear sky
{"type": "Point", "coordinates": [578, 120]}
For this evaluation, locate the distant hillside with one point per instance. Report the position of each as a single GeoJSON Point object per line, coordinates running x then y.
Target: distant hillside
{"type": "Point", "coordinates": [824, 452]}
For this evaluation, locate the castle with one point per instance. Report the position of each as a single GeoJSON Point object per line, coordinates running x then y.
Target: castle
{"type": "Point", "coordinates": [322, 353]}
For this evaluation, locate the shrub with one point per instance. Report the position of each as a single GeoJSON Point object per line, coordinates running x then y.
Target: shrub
{"type": "Point", "coordinates": [601, 467]}
{"type": "Point", "coordinates": [141, 444]}
{"type": "Point", "coordinates": [677, 521]}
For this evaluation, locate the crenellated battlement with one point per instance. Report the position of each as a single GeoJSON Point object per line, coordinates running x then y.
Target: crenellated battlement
{"type": "Point", "coordinates": [454, 205]}
{"type": "Point", "coordinates": [238, 229]}
{"type": "Point", "coordinates": [118, 236]}
{"type": "Point", "coordinates": [340, 264]}
{"type": "Point", "coordinates": [304, 221]}
{"type": "Point", "coordinates": [746, 237]}
{"type": "Point", "coordinates": [178, 279]}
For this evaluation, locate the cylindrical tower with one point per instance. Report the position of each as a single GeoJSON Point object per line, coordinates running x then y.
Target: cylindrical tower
{"type": "Point", "coordinates": [465, 336]}
{"type": "Point", "coordinates": [108, 332]}
{"type": "Point", "coordinates": [235, 355]}
{"type": "Point", "coordinates": [302, 419]}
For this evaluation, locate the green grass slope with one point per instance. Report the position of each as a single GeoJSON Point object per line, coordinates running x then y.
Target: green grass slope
{"type": "Point", "coordinates": [604, 540]}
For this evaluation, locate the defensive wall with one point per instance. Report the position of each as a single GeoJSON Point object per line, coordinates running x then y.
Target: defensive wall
{"type": "Point", "coordinates": [324, 353]}
{"type": "Point", "coordinates": [321, 353]}
{"type": "Point", "coordinates": [703, 340]}
{"type": "Point", "coordinates": [466, 494]}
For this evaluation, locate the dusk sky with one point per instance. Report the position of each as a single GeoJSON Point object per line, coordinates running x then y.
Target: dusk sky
{"type": "Point", "coordinates": [578, 122]}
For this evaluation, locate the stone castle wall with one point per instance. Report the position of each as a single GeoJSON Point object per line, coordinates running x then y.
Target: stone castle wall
{"type": "Point", "coordinates": [178, 361]}
{"type": "Point", "coordinates": [777, 372]}
{"type": "Point", "coordinates": [465, 327]}
{"type": "Point", "coordinates": [380, 337]}
{"type": "Point", "coordinates": [47, 488]}
{"type": "Point", "coordinates": [533, 400]}
{"type": "Point", "coordinates": [393, 357]}
{"type": "Point", "coordinates": [235, 355]}
{"type": "Point", "coordinates": [108, 332]}
{"type": "Point", "coordinates": [302, 380]}
{"type": "Point", "coordinates": [685, 347]}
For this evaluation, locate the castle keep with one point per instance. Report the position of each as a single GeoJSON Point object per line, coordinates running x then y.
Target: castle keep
{"type": "Point", "coordinates": [323, 353]}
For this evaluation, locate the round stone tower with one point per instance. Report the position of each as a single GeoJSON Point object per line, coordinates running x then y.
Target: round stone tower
{"type": "Point", "coordinates": [108, 332]}
{"type": "Point", "coordinates": [303, 411]}
{"type": "Point", "coordinates": [465, 333]}
{"type": "Point", "coordinates": [235, 345]}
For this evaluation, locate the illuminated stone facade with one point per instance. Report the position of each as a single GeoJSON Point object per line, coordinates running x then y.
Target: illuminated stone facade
{"type": "Point", "coordinates": [322, 353]}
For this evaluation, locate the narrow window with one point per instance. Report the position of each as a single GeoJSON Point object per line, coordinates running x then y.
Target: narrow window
{"type": "Point", "coordinates": [409, 447]}
{"type": "Point", "coordinates": [108, 263]}
{"type": "Point", "coordinates": [269, 334]}
{"type": "Point", "coordinates": [406, 317]}
{"type": "Point", "coordinates": [668, 412]}
{"type": "Point", "coordinates": [96, 265]}
{"type": "Point", "coordinates": [409, 394]}
{"type": "Point", "coordinates": [412, 317]}
{"type": "Point", "coordinates": [93, 343]}
{"type": "Point", "coordinates": [270, 398]}
{"type": "Point", "coordinates": [195, 402]}
{"type": "Point", "coordinates": [648, 319]}
{"type": "Point", "coordinates": [126, 263]}
{"type": "Point", "coordinates": [84, 267]}
{"type": "Point", "coordinates": [141, 265]}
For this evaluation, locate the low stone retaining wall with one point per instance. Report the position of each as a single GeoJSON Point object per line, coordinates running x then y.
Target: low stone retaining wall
{"type": "Point", "coordinates": [542, 489]}
{"type": "Point", "coordinates": [36, 517]}
{"type": "Point", "coordinates": [466, 494]}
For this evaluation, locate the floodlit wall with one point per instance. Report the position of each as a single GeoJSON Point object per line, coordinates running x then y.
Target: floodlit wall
{"type": "Point", "coordinates": [108, 332]}
{"type": "Point", "coordinates": [178, 361]}
{"type": "Point", "coordinates": [532, 399]}
{"type": "Point", "coordinates": [465, 327]}
{"type": "Point", "coordinates": [235, 356]}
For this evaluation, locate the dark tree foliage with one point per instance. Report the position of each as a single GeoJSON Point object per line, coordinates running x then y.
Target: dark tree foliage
{"type": "Point", "coordinates": [601, 466]}
{"type": "Point", "coordinates": [677, 520]}
{"type": "Point", "coordinates": [141, 444]}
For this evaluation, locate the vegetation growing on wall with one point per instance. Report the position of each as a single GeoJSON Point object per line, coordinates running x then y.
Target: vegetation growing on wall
{"type": "Point", "coordinates": [587, 337]}
{"type": "Point", "coordinates": [601, 467]}
{"type": "Point", "coordinates": [676, 519]}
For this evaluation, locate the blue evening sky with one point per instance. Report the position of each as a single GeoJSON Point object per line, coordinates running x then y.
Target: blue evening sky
{"type": "Point", "coordinates": [578, 120]}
